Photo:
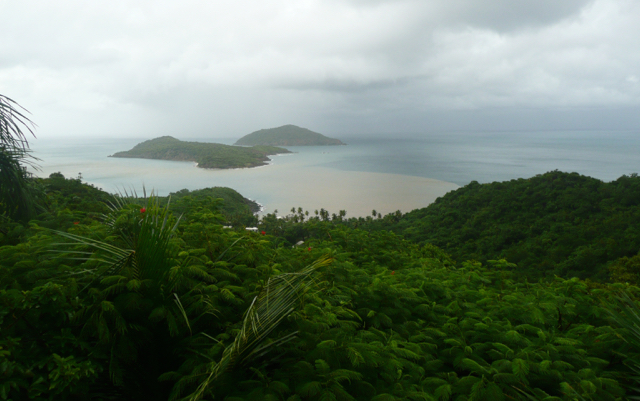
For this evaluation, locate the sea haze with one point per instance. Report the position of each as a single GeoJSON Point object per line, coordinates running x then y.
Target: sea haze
{"type": "Point", "coordinates": [462, 157]}
{"type": "Point", "coordinates": [384, 173]}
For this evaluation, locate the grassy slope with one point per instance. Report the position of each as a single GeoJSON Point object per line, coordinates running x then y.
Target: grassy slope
{"type": "Point", "coordinates": [207, 155]}
{"type": "Point", "coordinates": [287, 135]}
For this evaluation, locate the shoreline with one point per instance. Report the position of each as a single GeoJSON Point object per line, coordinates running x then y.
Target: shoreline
{"type": "Point", "coordinates": [279, 187]}
{"type": "Point", "coordinates": [197, 165]}
{"type": "Point", "coordinates": [305, 180]}
{"type": "Point", "coordinates": [358, 193]}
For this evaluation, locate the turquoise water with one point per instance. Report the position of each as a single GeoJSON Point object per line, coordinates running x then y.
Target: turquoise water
{"type": "Point", "coordinates": [329, 173]}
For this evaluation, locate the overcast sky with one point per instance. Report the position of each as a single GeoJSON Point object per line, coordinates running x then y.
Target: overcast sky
{"type": "Point", "coordinates": [195, 68]}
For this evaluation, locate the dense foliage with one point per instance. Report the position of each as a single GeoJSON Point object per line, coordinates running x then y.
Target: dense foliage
{"type": "Point", "coordinates": [235, 208]}
{"type": "Point", "coordinates": [133, 302]}
{"type": "Point", "coordinates": [287, 135]}
{"type": "Point", "coordinates": [207, 155]}
{"type": "Point", "coordinates": [552, 224]}
{"type": "Point", "coordinates": [119, 298]}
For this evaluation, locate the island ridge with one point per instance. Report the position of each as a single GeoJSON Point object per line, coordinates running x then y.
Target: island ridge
{"type": "Point", "coordinates": [287, 135]}
{"type": "Point", "coordinates": [206, 155]}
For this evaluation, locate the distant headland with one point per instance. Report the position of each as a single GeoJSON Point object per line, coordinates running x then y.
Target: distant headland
{"type": "Point", "coordinates": [206, 155]}
{"type": "Point", "coordinates": [287, 135]}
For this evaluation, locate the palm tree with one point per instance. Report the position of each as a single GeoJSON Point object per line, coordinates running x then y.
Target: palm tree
{"type": "Point", "coordinates": [15, 199]}
{"type": "Point", "coordinates": [135, 292]}
{"type": "Point", "coordinates": [145, 299]}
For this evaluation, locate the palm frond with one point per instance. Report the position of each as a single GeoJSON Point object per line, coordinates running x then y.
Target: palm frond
{"type": "Point", "coordinates": [182, 311]}
{"type": "Point", "coordinates": [117, 258]}
{"type": "Point", "coordinates": [274, 303]}
{"type": "Point", "coordinates": [11, 121]}
{"type": "Point", "coordinates": [146, 232]}
{"type": "Point", "coordinates": [626, 315]}
{"type": "Point", "coordinates": [15, 197]}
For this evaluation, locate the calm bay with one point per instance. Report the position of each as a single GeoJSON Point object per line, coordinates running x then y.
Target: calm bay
{"type": "Point", "coordinates": [381, 173]}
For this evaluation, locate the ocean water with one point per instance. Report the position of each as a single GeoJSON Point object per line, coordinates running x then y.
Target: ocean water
{"type": "Point", "coordinates": [385, 174]}
{"type": "Point", "coordinates": [462, 157]}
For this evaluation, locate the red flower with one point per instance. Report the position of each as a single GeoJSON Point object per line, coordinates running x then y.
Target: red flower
{"type": "Point", "coordinates": [143, 210]}
{"type": "Point", "coordinates": [263, 233]}
{"type": "Point", "coordinates": [393, 272]}
{"type": "Point", "coordinates": [76, 222]}
{"type": "Point", "coordinates": [309, 249]}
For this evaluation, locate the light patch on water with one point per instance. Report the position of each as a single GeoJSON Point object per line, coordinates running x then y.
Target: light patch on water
{"type": "Point", "coordinates": [385, 174]}
{"type": "Point", "coordinates": [286, 182]}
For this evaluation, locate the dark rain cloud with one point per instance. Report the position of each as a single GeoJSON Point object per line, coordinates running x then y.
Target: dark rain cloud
{"type": "Point", "coordinates": [218, 69]}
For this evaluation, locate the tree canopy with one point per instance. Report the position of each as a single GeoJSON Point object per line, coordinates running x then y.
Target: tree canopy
{"type": "Point", "coordinates": [127, 297]}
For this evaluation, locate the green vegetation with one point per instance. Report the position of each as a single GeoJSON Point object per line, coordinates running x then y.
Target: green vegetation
{"type": "Point", "coordinates": [139, 303]}
{"type": "Point", "coordinates": [553, 224]}
{"type": "Point", "coordinates": [235, 209]}
{"type": "Point", "coordinates": [287, 135]}
{"type": "Point", "coordinates": [207, 155]}
{"type": "Point", "coordinates": [143, 298]}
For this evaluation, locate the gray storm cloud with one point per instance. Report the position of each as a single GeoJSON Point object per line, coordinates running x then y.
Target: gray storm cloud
{"type": "Point", "coordinates": [224, 69]}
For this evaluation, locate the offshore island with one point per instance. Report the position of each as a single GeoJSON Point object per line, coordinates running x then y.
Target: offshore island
{"type": "Point", "coordinates": [206, 155]}
{"type": "Point", "coordinates": [287, 135]}
{"type": "Point", "coordinates": [251, 150]}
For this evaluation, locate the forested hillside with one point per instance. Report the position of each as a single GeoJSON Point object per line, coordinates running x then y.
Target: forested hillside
{"type": "Point", "coordinates": [287, 135]}
{"type": "Point", "coordinates": [105, 307]}
{"type": "Point", "coordinates": [130, 301]}
{"type": "Point", "coordinates": [107, 297]}
{"type": "Point", "coordinates": [235, 208]}
{"type": "Point", "coordinates": [552, 224]}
